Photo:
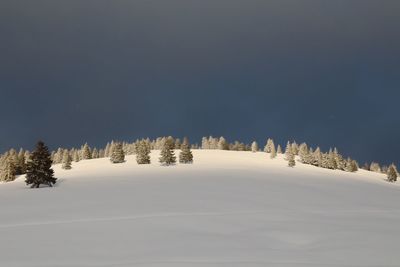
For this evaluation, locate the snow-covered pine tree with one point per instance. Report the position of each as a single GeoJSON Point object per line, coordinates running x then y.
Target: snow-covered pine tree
{"type": "Point", "coordinates": [58, 156]}
{"type": "Point", "coordinates": [331, 160]}
{"type": "Point", "coordinates": [185, 156]}
{"type": "Point", "coordinates": [142, 152]}
{"type": "Point", "coordinates": [339, 161]}
{"type": "Point", "coordinates": [204, 143]}
{"type": "Point", "coordinates": [223, 144]}
{"type": "Point", "coordinates": [21, 166]}
{"type": "Point", "coordinates": [272, 155]}
{"type": "Point", "coordinates": [351, 165]}
{"type": "Point", "coordinates": [279, 149]}
{"type": "Point", "coordinates": [288, 151]}
{"type": "Point", "coordinates": [317, 157]}
{"type": "Point", "coordinates": [268, 145]}
{"type": "Point", "coordinates": [39, 169]}
{"type": "Point", "coordinates": [107, 150]}
{"type": "Point", "coordinates": [167, 152]}
{"type": "Point", "coordinates": [95, 153]}
{"type": "Point", "coordinates": [303, 153]}
{"type": "Point", "coordinates": [75, 156]}
{"type": "Point", "coordinates": [86, 154]}
{"type": "Point", "coordinates": [101, 153]}
{"type": "Point", "coordinates": [66, 161]}
{"type": "Point", "coordinates": [375, 167]}
{"type": "Point", "coordinates": [7, 172]}
{"type": "Point", "coordinates": [392, 173]}
{"type": "Point", "coordinates": [290, 157]}
{"type": "Point", "coordinates": [254, 146]}
{"type": "Point", "coordinates": [213, 142]}
{"type": "Point", "coordinates": [117, 155]}
{"type": "Point", "coordinates": [177, 143]}
{"type": "Point", "coordinates": [295, 148]}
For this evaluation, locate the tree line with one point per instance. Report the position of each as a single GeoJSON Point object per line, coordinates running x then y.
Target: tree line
{"type": "Point", "coordinates": [13, 163]}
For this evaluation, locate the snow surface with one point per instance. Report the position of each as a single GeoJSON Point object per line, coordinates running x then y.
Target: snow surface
{"type": "Point", "coordinates": [227, 209]}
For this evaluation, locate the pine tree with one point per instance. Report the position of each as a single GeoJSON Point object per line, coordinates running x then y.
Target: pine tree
{"type": "Point", "coordinates": [75, 156]}
{"type": "Point", "coordinates": [288, 151]}
{"type": "Point", "coordinates": [8, 169]}
{"type": "Point", "coordinates": [66, 161]}
{"type": "Point", "coordinates": [279, 149]}
{"type": "Point", "coordinates": [295, 148]}
{"type": "Point", "coordinates": [86, 154]}
{"type": "Point", "coordinates": [21, 166]}
{"type": "Point", "coordinates": [178, 143]}
{"type": "Point", "coordinates": [142, 152]}
{"type": "Point", "coordinates": [167, 152]}
{"type": "Point", "coordinates": [290, 157]}
{"type": "Point", "coordinates": [254, 147]}
{"type": "Point", "coordinates": [375, 167]}
{"type": "Point", "coordinates": [272, 155]}
{"type": "Point", "coordinates": [223, 144]}
{"type": "Point", "coordinates": [268, 145]}
{"type": "Point", "coordinates": [117, 155]}
{"type": "Point", "coordinates": [58, 156]}
{"type": "Point", "coordinates": [95, 153]}
{"type": "Point", "coordinates": [185, 156]}
{"type": "Point", "coordinates": [303, 152]}
{"type": "Point", "coordinates": [392, 173]}
{"type": "Point", "coordinates": [317, 158]}
{"type": "Point", "coordinates": [351, 165]}
{"type": "Point", "coordinates": [39, 169]}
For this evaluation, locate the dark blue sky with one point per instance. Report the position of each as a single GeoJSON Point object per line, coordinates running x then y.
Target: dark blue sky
{"type": "Point", "coordinates": [324, 72]}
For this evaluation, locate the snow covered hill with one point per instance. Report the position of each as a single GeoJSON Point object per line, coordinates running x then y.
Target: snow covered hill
{"type": "Point", "coordinates": [227, 209]}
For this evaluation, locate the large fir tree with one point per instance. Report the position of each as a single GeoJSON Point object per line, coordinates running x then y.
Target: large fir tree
{"type": "Point", "coordinates": [392, 173]}
{"type": "Point", "coordinates": [185, 156]}
{"type": "Point", "coordinates": [142, 152]}
{"type": "Point", "coordinates": [39, 169]}
{"type": "Point", "coordinates": [290, 157]}
{"type": "Point", "coordinates": [66, 161]}
{"type": "Point", "coordinates": [167, 152]}
{"type": "Point", "coordinates": [117, 155]}
{"type": "Point", "coordinates": [86, 154]}
{"type": "Point", "coordinates": [254, 146]}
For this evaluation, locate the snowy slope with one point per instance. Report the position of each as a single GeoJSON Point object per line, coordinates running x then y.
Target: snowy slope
{"type": "Point", "coordinates": [227, 209]}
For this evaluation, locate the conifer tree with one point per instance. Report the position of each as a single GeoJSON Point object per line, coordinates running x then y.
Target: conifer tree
{"type": "Point", "coordinates": [66, 161]}
{"type": "Point", "coordinates": [167, 152]}
{"type": "Point", "coordinates": [223, 144]}
{"type": "Point", "coordinates": [279, 149]}
{"type": "Point", "coordinates": [8, 169]}
{"type": "Point", "coordinates": [352, 166]}
{"type": "Point", "coordinates": [95, 153]}
{"type": "Point", "coordinates": [254, 146]}
{"type": "Point", "coordinates": [272, 155]}
{"type": "Point", "coordinates": [375, 167]}
{"type": "Point", "coordinates": [392, 173]}
{"type": "Point", "coordinates": [58, 156]}
{"type": "Point", "coordinates": [75, 156]}
{"type": "Point", "coordinates": [303, 153]}
{"type": "Point", "coordinates": [86, 154]}
{"type": "Point", "coordinates": [268, 145]}
{"type": "Point", "coordinates": [288, 151]}
{"type": "Point", "coordinates": [295, 148]}
{"type": "Point", "coordinates": [117, 155]}
{"type": "Point", "coordinates": [204, 143]}
{"type": "Point", "coordinates": [317, 157]}
{"type": "Point", "coordinates": [177, 143]}
{"type": "Point", "coordinates": [142, 152]}
{"type": "Point", "coordinates": [185, 156]}
{"type": "Point", "coordinates": [39, 169]}
{"type": "Point", "coordinates": [290, 157]}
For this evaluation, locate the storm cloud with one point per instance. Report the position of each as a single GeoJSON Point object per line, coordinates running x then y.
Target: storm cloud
{"type": "Point", "coordinates": [323, 72]}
